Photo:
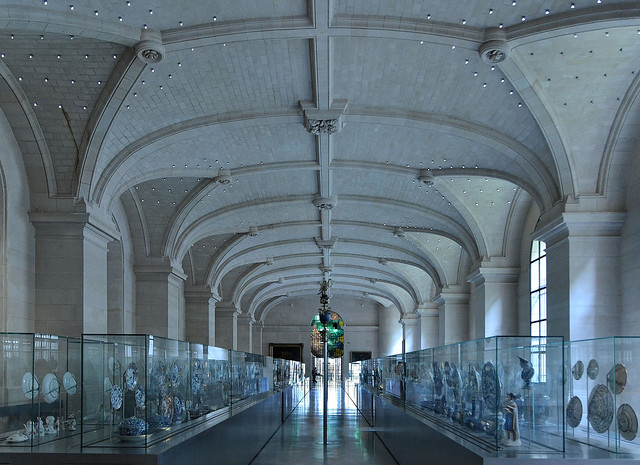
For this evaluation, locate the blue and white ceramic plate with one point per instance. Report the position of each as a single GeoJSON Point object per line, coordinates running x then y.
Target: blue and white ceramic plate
{"type": "Point", "coordinates": [69, 382]}
{"type": "Point", "coordinates": [166, 406]}
{"type": "Point", "coordinates": [140, 397]}
{"type": "Point", "coordinates": [131, 376]}
{"type": "Point", "coordinates": [50, 388]}
{"type": "Point", "coordinates": [196, 382]}
{"type": "Point", "coordinates": [116, 397]}
{"type": "Point", "coordinates": [30, 385]}
{"type": "Point", "coordinates": [175, 375]}
{"type": "Point", "coordinates": [178, 408]}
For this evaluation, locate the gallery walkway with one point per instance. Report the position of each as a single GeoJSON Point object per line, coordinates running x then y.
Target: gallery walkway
{"type": "Point", "coordinates": [300, 440]}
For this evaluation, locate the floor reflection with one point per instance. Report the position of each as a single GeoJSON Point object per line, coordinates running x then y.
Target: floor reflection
{"type": "Point", "coordinates": [350, 439]}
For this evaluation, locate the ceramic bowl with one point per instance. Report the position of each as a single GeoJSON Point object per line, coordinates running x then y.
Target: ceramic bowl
{"type": "Point", "coordinates": [159, 421]}
{"type": "Point", "coordinates": [132, 427]}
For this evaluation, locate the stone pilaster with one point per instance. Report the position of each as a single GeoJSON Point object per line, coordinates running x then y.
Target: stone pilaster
{"type": "Point", "coordinates": [160, 299]}
{"type": "Point", "coordinates": [258, 326]}
{"type": "Point", "coordinates": [453, 315]}
{"type": "Point", "coordinates": [429, 316]}
{"type": "Point", "coordinates": [71, 274]}
{"type": "Point", "coordinates": [583, 274]}
{"type": "Point", "coordinates": [411, 331]}
{"type": "Point", "coordinates": [244, 332]}
{"type": "Point", "coordinates": [200, 314]}
{"type": "Point", "coordinates": [226, 325]}
{"type": "Point", "coordinates": [494, 301]}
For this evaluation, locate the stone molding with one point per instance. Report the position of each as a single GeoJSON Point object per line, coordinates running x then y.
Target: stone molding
{"type": "Point", "coordinates": [319, 122]}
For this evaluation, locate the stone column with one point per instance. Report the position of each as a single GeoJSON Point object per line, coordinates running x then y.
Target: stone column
{"type": "Point", "coordinates": [160, 299]}
{"type": "Point", "coordinates": [494, 301]}
{"type": "Point", "coordinates": [453, 315]}
{"type": "Point", "coordinates": [412, 337]}
{"type": "Point", "coordinates": [244, 332]}
{"type": "Point", "coordinates": [429, 315]}
{"type": "Point", "coordinates": [71, 274]}
{"type": "Point", "coordinates": [583, 274]}
{"type": "Point", "coordinates": [258, 326]}
{"type": "Point", "coordinates": [115, 289]}
{"type": "Point", "coordinates": [226, 325]}
{"type": "Point", "coordinates": [200, 314]}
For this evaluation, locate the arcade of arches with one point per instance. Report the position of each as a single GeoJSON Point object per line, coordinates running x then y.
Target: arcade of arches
{"type": "Point", "coordinates": [195, 171]}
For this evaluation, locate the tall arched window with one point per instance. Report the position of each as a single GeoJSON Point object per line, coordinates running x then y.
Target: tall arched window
{"type": "Point", "coordinates": [539, 308]}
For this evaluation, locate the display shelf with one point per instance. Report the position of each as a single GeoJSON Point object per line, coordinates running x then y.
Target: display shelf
{"type": "Point", "coordinates": [40, 388]}
{"type": "Point", "coordinates": [603, 393]}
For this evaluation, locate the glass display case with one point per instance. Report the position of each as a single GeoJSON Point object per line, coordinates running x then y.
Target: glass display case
{"type": "Point", "coordinates": [136, 389]}
{"type": "Point", "coordinates": [40, 393]}
{"type": "Point", "coordinates": [501, 391]}
{"type": "Point", "coordinates": [210, 381]}
{"type": "Point", "coordinates": [249, 376]}
{"type": "Point", "coordinates": [602, 393]}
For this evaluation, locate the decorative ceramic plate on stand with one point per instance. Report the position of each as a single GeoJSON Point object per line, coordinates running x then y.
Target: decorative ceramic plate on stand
{"type": "Point", "coordinates": [577, 370]}
{"type": "Point", "coordinates": [30, 385]}
{"type": "Point", "coordinates": [175, 375]}
{"type": "Point", "coordinates": [50, 388]}
{"type": "Point", "coordinates": [131, 376]}
{"type": "Point", "coordinates": [617, 378]}
{"type": "Point", "coordinates": [69, 382]}
{"type": "Point", "coordinates": [593, 369]}
{"type": "Point", "coordinates": [574, 412]}
{"type": "Point", "coordinates": [627, 422]}
{"type": "Point", "coordinates": [600, 408]}
{"type": "Point", "coordinates": [116, 397]}
{"type": "Point", "coordinates": [140, 397]}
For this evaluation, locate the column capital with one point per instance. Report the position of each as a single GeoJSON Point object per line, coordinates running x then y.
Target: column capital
{"type": "Point", "coordinates": [580, 224]}
{"type": "Point", "coordinates": [226, 307]}
{"type": "Point", "coordinates": [428, 309]}
{"type": "Point", "coordinates": [452, 294]}
{"type": "Point", "coordinates": [409, 319]}
{"type": "Point", "coordinates": [494, 275]}
{"type": "Point", "coordinates": [157, 266]}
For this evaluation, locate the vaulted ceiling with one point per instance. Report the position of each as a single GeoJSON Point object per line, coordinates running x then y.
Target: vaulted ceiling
{"type": "Point", "coordinates": [264, 146]}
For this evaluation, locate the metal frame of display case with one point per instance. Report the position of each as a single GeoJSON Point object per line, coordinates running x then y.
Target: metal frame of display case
{"type": "Point", "coordinates": [603, 393]}
{"type": "Point", "coordinates": [40, 388]}
{"type": "Point", "coordinates": [462, 388]}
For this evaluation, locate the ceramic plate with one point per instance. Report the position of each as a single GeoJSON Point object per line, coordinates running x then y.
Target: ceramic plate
{"type": "Point", "coordinates": [578, 370]}
{"type": "Point", "coordinates": [166, 406]}
{"type": "Point", "coordinates": [131, 376]}
{"type": "Point", "coordinates": [50, 388]}
{"type": "Point", "coordinates": [30, 385]}
{"type": "Point", "coordinates": [116, 397]}
{"type": "Point", "coordinates": [175, 375]}
{"type": "Point", "coordinates": [178, 408]}
{"type": "Point", "coordinates": [592, 369]}
{"type": "Point", "coordinates": [600, 408]}
{"type": "Point", "coordinates": [574, 412]}
{"type": "Point", "coordinates": [69, 382]}
{"type": "Point", "coordinates": [617, 378]}
{"type": "Point", "coordinates": [627, 422]}
{"type": "Point", "coordinates": [196, 381]}
{"type": "Point", "coordinates": [140, 397]}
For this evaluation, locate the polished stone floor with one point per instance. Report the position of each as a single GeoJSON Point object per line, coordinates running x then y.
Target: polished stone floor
{"type": "Point", "coordinates": [350, 440]}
